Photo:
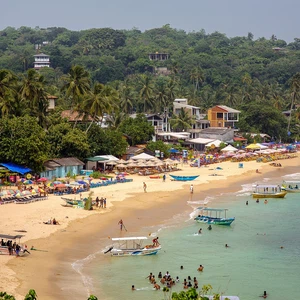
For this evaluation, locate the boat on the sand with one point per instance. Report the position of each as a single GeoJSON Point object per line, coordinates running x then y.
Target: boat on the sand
{"type": "Point", "coordinates": [184, 178]}
{"type": "Point", "coordinates": [206, 217]}
{"type": "Point", "coordinates": [132, 246]}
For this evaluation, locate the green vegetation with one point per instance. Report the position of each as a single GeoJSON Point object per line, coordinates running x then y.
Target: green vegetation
{"type": "Point", "coordinates": [103, 75]}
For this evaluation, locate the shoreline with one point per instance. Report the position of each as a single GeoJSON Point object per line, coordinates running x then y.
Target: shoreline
{"type": "Point", "coordinates": [139, 212]}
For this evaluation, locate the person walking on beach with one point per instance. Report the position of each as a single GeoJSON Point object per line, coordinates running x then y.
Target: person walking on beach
{"type": "Point", "coordinates": [104, 202]}
{"type": "Point", "coordinates": [121, 224]}
{"type": "Point", "coordinates": [164, 177]}
{"type": "Point", "coordinates": [191, 189]}
{"type": "Point", "coordinates": [145, 187]}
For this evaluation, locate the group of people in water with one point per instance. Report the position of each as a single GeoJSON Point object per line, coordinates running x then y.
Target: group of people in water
{"type": "Point", "coordinates": [169, 281]}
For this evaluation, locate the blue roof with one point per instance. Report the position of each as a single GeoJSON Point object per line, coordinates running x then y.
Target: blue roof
{"type": "Point", "coordinates": [15, 168]}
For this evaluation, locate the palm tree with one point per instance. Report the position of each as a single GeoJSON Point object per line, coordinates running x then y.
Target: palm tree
{"type": "Point", "coordinates": [295, 89]}
{"type": "Point", "coordinates": [7, 91]}
{"type": "Point", "coordinates": [126, 97]}
{"type": "Point", "coordinates": [182, 121]}
{"type": "Point", "coordinates": [115, 119]}
{"type": "Point", "coordinates": [197, 76]}
{"type": "Point", "coordinates": [32, 87]}
{"type": "Point", "coordinates": [76, 84]}
{"type": "Point", "coordinates": [101, 100]}
{"type": "Point", "coordinates": [146, 91]}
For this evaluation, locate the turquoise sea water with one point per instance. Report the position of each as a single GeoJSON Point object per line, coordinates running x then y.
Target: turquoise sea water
{"type": "Point", "coordinates": [254, 262]}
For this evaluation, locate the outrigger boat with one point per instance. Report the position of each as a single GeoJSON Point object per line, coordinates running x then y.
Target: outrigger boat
{"type": "Point", "coordinates": [184, 178]}
{"type": "Point", "coordinates": [268, 191]}
{"type": "Point", "coordinates": [206, 216]}
{"type": "Point", "coordinates": [132, 246]}
{"type": "Point", "coordinates": [291, 186]}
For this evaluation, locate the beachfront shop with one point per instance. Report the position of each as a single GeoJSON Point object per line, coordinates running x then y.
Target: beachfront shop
{"type": "Point", "coordinates": [62, 167]}
{"type": "Point", "coordinates": [11, 173]}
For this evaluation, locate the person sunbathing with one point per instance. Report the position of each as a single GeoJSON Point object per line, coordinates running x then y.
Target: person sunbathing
{"type": "Point", "coordinates": [54, 222]}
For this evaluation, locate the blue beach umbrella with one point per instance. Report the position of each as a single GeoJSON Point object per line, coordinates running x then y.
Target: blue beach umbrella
{"type": "Point", "coordinates": [81, 182]}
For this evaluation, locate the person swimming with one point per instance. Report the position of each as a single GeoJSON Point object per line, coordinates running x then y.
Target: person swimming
{"type": "Point", "coordinates": [200, 268]}
{"type": "Point", "coordinates": [209, 227]}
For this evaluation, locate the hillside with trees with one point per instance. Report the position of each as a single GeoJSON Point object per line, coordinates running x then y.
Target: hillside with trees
{"type": "Point", "coordinates": [106, 72]}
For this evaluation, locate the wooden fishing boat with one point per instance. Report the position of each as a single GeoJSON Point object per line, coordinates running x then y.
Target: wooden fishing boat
{"type": "Point", "coordinates": [184, 178]}
{"type": "Point", "coordinates": [268, 191]}
{"type": "Point", "coordinates": [291, 186]}
{"type": "Point", "coordinates": [132, 246]}
{"type": "Point", "coordinates": [206, 217]}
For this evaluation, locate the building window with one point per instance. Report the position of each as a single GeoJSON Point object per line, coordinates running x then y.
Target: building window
{"type": "Point", "coordinates": [219, 115]}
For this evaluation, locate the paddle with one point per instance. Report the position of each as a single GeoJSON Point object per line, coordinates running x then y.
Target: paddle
{"type": "Point", "coordinates": [108, 250]}
{"type": "Point", "coordinates": [124, 227]}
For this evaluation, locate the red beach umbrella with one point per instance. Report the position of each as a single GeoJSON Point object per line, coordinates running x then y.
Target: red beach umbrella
{"type": "Point", "coordinates": [42, 179]}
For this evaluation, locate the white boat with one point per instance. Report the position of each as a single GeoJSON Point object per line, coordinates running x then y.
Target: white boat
{"type": "Point", "coordinates": [132, 246]}
{"type": "Point", "coordinates": [291, 186]}
{"type": "Point", "coordinates": [268, 191]}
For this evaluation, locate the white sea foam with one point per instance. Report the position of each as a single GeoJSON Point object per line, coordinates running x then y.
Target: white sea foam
{"type": "Point", "coordinates": [294, 176]}
{"type": "Point", "coordinates": [245, 191]}
{"type": "Point", "coordinates": [78, 266]}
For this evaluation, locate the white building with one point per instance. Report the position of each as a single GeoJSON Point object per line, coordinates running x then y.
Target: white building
{"type": "Point", "coordinates": [41, 60]}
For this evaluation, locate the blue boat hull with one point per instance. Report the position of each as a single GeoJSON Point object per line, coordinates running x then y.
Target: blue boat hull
{"type": "Point", "coordinates": [184, 178]}
{"type": "Point", "coordinates": [214, 221]}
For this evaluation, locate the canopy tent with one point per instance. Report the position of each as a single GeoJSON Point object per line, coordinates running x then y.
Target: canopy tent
{"type": "Point", "coordinates": [200, 141]}
{"type": "Point", "coordinates": [229, 148]}
{"type": "Point", "coordinates": [215, 143]}
{"type": "Point", "coordinates": [16, 168]}
{"type": "Point", "coordinates": [143, 156]}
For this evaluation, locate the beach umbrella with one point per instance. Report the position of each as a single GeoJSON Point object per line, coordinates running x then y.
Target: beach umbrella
{"type": "Point", "coordinates": [26, 192]}
{"type": "Point", "coordinates": [42, 179]}
{"type": "Point", "coordinates": [56, 182]}
{"type": "Point", "coordinates": [81, 182]}
{"type": "Point", "coordinates": [28, 182]}
{"type": "Point", "coordinates": [74, 183]}
{"type": "Point", "coordinates": [122, 161]}
{"type": "Point", "coordinates": [120, 166]}
{"type": "Point", "coordinates": [112, 163]}
{"type": "Point", "coordinates": [60, 186]}
{"type": "Point", "coordinates": [50, 184]}
{"type": "Point", "coordinates": [5, 193]}
{"type": "Point", "coordinates": [33, 191]}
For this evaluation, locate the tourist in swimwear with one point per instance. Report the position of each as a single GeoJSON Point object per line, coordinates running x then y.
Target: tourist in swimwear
{"type": "Point", "coordinates": [152, 280]}
{"type": "Point", "coordinates": [200, 268]}
{"type": "Point", "coordinates": [200, 231]}
{"type": "Point", "coordinates": [149, 276]}
{"type": "Point", "coordinates": [266, 201]}
{"type": "Point", "coordinates": [226, 246]}
{"type": "Point", "coordinates": [132, 288]}
{"type": "Point", "coordinates": [163, 280]}
{"type": "Point", "coordinates": [159, 275]}
{"type": "Point", "coordinates": [177, 279]}
{"type": "Point", "coordinates": [181, 267]}
{"type": "Point", "coordinates": [246, 202]}
{"type": "Point", "coordinates": [189, 284]}
{"type": "Point", "coordinates": [264, 295]}
{"type": "Point", "coordinates": [155, 242]}
{"type": "Point", "coordinates": [156, 286]}
{"type": "Point", "coordinates": [209, 227]}
{"type": "Point", "coordinates": [145, 187]}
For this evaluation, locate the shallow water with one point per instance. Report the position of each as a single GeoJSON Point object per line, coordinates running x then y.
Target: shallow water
{"type": "Point", "coordinates": [254, 262]}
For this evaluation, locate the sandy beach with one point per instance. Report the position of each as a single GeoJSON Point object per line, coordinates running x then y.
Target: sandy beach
{"type": "Point", "coordinates": [49, 272]}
